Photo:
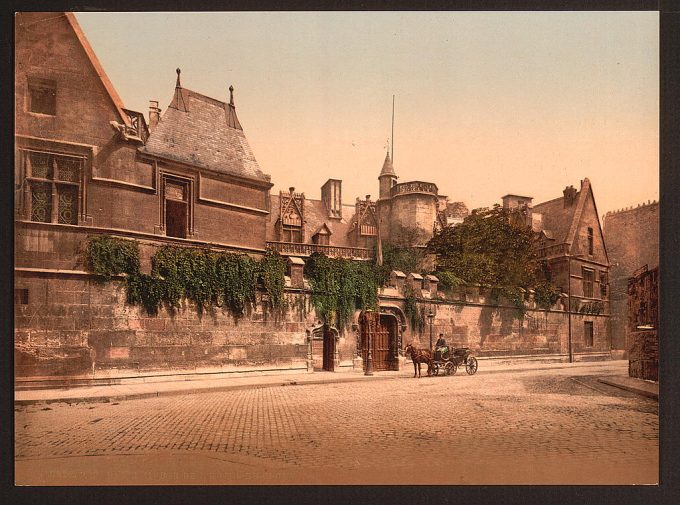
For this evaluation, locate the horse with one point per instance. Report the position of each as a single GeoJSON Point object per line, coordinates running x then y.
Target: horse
{"type": "Point", "coordinates": [419, 356]}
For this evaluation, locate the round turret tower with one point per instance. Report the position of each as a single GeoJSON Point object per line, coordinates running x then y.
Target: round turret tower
{"type": "Point", "coordinates": [387, 177]}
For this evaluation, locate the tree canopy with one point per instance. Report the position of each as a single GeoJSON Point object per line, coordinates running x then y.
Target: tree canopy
{"type": "Point", "coordinates": [492, 248]}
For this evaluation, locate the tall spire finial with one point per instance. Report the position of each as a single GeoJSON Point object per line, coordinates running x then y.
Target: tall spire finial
{"type": "Point", "coordinates": [178, 85]}
{"type": "Point", "coordinates": [231, 95]}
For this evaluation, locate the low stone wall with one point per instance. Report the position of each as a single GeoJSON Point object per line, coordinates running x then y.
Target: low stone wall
{"type": "Point", "coordinates": [72, 325]}
{"type": "Point", "coordinates": [643, 355]}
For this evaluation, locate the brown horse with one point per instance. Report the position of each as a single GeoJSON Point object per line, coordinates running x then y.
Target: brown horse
{"type": "Point", "coordinates": [419, 356]}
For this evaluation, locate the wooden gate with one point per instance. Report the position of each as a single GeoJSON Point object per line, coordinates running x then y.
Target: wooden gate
{"type": "Point", "coordinates": [379, 335]}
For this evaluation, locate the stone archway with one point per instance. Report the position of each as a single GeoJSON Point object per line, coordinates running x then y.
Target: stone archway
{"type": "Point", "coordinates": [380, 331]}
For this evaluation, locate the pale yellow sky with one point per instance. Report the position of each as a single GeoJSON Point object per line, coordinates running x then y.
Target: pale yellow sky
{"type": "Point", "coordinates": [486, 103]}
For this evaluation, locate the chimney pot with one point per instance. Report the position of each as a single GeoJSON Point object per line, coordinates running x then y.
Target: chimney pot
{"type": "Point", "coordinates": [291, 189]}
{"type": "Point", "coordinates": [154, 114]}
{"type": "Point", "coordinates": [368, 198]}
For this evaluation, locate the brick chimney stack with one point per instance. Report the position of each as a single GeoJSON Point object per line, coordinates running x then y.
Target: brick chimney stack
{"type": "Point", "coordinates": [569, 196]}
{"type": "Point", "coordinates": [154, 114]}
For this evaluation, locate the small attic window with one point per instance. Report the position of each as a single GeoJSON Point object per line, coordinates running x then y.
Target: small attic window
{"type": "Point", "coordinates": [42, 96]}
{"type": "Point", "coordinates": [321, 238]}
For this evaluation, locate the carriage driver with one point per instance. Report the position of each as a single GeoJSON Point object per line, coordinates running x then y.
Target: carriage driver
{"type": "Point", "coordinates": [440, 347]}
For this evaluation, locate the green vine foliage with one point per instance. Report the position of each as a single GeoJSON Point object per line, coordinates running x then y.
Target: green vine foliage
{"type": "Point", "coordinates": [411, 311]}
{"type": "Point", "coordinates": [206, 278]}
{"type": "Point", "coordinates": [341, 286]}
{"type": "Point", "coordinates": [108, 256]}
{"type": "Point", "coordinates": [546, 295]}
{"type": "Point", "coordinates": [272, 277]}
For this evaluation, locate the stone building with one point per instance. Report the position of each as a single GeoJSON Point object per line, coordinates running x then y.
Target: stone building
{"type": "Point", "coordinates": [572, 244]}
{"type": "Point", "coordinates": [403, 213]}
{"type": "Point", "coordinates": [643, 324]}
{"type": "Point", "coordinates": [87, 166]}
{"type": "Point", "coordinates": [632, 236]}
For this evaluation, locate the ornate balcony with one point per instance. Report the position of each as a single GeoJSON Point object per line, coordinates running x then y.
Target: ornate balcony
{"type": "Point", "coordinates": [414, 187]}
{"type": "Point", "coordinates": [295, 249]}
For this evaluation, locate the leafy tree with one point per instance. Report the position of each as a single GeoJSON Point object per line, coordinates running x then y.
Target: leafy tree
{"type": "Point", "coordinates": [399, 257]}
{"type": "Point", "coordinates": [492, 248]}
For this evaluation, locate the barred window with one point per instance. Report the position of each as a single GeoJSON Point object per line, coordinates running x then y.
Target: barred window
{"type": "Point", "coordinates": [53, 182]}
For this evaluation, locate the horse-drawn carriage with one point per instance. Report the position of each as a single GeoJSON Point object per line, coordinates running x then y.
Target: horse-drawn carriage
{"type": "Point", "coordinates": [448, 360]}
{"type": "Point", "coordinates": [443, 358]}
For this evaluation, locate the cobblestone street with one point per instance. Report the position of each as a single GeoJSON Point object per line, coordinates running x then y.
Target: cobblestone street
{"type": "Point", "coordinates": [549, 426]}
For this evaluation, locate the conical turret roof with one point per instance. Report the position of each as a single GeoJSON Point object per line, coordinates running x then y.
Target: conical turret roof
{"type": "Point", "coordinates": [388, 168]}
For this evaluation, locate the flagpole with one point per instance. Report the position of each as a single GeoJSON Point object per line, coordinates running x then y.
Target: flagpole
{"type": "Point", "coordinates": [392, 129]}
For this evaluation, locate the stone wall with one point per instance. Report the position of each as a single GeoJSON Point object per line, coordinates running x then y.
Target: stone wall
{"type": "Point", "coordinates": [643, 355]}
{"type": "Point", "coordinates": [69, 324]}
{"type": "Point", "coordinates": [632, 237]}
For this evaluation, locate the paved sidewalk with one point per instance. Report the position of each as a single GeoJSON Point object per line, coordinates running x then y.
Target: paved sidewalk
{"type": "Point", "coordinates": [187, 384]}
{"type": "Point", "coordinates": [639, 386]}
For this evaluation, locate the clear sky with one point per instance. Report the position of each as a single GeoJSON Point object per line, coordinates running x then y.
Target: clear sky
{"type": "Point", "coordinates": [487, 103]}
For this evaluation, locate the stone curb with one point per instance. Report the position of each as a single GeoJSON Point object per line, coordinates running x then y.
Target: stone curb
{"type": "Point", "coordinates": [631, 388]}
{"type": "Point", "coordinates": [281, 382]}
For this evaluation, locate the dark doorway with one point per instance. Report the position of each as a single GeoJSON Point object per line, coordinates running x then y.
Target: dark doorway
{"type": "Point", "coordinates": [328, 349]}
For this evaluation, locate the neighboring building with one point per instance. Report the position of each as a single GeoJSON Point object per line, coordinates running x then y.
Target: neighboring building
{"type": "Point", "coordinates": [643, 324]}
{"type": "Point", "coordinates": [632, 236]}
{"type": "Point", "coordinates": [572, 244]}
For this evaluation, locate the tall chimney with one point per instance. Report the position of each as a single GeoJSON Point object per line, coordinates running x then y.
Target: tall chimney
{"type": "Point", "coordinates": [569, 196]}
{"type": "Point", "coordinates": [154, 114]}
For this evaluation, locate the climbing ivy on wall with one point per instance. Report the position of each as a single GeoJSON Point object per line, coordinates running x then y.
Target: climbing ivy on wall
{"type": "Point", "coordinates": [340, 286]}
{"type": "Point", "coordinates": [205, 277]}
{"type": "Point", "coordinates": [272, 276]}
{"type": "Point", "coordinates": [108, 256]}
{"type": "Point", "coordinates": [411, 311]}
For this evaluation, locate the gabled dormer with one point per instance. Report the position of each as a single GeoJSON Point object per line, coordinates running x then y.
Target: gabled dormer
{"type": "Point", "coordinates": [291, 223]}
{"type": "Point", "coordinates": [322, 236]}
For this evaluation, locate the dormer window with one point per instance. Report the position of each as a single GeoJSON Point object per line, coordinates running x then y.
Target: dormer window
{"type": "Point", "coordinates": [42, 96]}
{"type": "Point", "coordinates": [322, 235]}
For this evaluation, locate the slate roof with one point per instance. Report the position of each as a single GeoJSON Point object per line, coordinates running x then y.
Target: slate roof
{"type": "Point", "coordinates": [560, 223]}
{"type": "Point", "coordinates": [316, 216]}
{"type": "Point", "coordinates": [203, 132]}
{"type": "Point", "coordinates": [388, 168]}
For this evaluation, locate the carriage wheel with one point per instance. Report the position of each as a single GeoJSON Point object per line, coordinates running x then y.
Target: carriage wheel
{"type": "Point", "coordinates": [471, 365]}
{"type": "Point", "coordinates": [435, 369]}
{"type": "Point", "coordinates": [450, 368]}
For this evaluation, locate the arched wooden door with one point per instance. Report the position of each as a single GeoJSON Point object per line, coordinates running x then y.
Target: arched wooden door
{"type": "Point", "coordinates": [381, 336]}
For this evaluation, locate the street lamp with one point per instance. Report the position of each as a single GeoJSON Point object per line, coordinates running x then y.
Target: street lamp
{"type": "Point", "coordinates": [571, 348]}
{"type": "Point", "coordinates": [369, 356]}
{"type": "Point", "coordinates": [430, 316]}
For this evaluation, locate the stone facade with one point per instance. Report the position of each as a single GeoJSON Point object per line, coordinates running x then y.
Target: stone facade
{"type": "Point", "coordinates": [632, 236]}
{"type": "Point", "coordinates": [87, 166]}
{"type": "Point", "coordinates": [73, 325]}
